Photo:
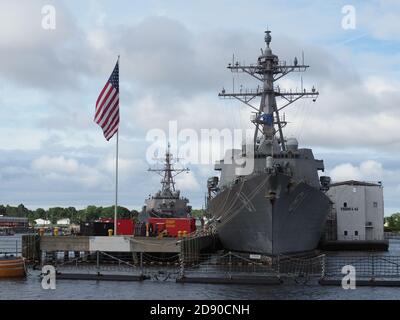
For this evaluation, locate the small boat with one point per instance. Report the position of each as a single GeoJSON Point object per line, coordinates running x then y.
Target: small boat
{"type": "Point", "coordinates": [12, 267]}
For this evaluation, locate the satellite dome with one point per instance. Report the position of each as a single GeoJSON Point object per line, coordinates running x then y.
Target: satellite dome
{"type": "Point", "coordinates": [292, 144]}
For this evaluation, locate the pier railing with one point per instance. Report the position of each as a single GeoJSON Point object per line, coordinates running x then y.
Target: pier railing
{"type": "Point", "coordinates": [105, 264]}
{"type": "Point", "coordinates": [367, 266]}
{"type": "Point", "coordinates": [392, 235]}
{"type": "Point", "coordinates": [10, 247]}
{"type": "Point", "coordinates": [230, 264]}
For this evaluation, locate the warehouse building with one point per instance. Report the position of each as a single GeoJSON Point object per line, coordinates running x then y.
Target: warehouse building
{"type": "Point", "coordinates": [17, 224]}
{"type": "Point", "coordinates": [357, 211]}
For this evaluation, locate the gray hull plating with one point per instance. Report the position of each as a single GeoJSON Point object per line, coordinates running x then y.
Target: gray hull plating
{"type": "Point", "coordinates": [270, 214]}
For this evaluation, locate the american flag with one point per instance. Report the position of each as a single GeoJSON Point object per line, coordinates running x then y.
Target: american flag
{"type": "Point", "coordinates": [107, 105]}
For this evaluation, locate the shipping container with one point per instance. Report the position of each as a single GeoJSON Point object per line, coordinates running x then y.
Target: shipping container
{"type": "Point", "coordinates": [125, 227]}
{"type": "Point", "coordinates": [96, 228]}
{"type": "Point", "coordinates": [102, 225]}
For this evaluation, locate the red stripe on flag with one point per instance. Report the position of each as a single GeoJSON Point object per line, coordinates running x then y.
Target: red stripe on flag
{"type": "Point", "coordinates": [110, 132]}
{"type": "Point", "coordinates": [103, 95]}
{"type": "Point", "coordinates": [111, 116]}
{"type": "Point", "coordinates": [110, 107]}
{"type": "Point", "coordinates": [105, 103]}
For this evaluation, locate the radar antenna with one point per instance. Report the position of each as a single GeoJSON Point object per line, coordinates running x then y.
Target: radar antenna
{"type": "Point", "coordinates": [266, 118]}
{"type": "Point", "coordinates": [168, 172]}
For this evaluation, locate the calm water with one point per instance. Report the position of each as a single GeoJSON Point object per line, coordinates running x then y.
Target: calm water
{"type": "Point", "coordinates": [30, 288]}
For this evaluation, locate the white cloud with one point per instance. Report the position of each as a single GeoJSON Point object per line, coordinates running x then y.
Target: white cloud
{"type": "Point", "coordinates": [21, 139]}
{"type": "Point", "coordinates": [369, 170]}
{"type": "Point", "coordinates": [70, 170]}
{"type": "Point", "coordinates": [187, 182]}
{"type": "Point", "coordinates": [344, 172]}
{"type": "Point", "coordinates": [55, 164]}
{"type": "Point", "coordinates": [126, 167]}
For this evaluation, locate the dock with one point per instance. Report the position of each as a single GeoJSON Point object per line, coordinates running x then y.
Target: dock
{"type": "Point", "coordinates": [247, 280]}
{"type": "Point", "coordinates": [363, 282]}
{"type": "Point", "coordinates": [355, 245]}
{"type": "Point", "coordinates": [193, 260]}
{"type": "Point", "coordinates": [129, 244]}
{"type": "Point", "coordinates": [100, 277]}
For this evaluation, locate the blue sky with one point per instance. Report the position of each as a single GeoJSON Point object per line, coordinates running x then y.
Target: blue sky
{"type": "Point", "coordinates": [173, 64]}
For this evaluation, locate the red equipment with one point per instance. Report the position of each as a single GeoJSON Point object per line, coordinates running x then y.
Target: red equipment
{"type": "Point", "coordinates": [125, 227]}
{"type": "Point", "coordinates": [173, 225]}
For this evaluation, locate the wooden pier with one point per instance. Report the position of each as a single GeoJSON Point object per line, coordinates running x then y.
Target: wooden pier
{"type": "Point", "coordinates": [35, 247]}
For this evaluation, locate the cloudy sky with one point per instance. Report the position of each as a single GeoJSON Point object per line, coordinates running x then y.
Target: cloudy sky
{"type": "Point", "coordinates": [173, 64]}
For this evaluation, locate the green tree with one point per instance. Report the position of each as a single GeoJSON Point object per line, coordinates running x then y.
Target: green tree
{"type": "Point", "coordinates": [40, 213]}
{"type": "Point", "coordinates": [197, 213]}
{"type": "Point", "coordinates": [11, 211]}
{"type": "Point", "coordinates": [72, 214]}
{"type": "Point", "coordinates": [92, 213]}
{"type": "Point", "coordinates": [22, 211]}
{"type": "Point", "coordinates": [393, 222]}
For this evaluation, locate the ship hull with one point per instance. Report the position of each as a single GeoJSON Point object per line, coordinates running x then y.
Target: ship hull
{"type": "Point", "coordinates": [269, 214]}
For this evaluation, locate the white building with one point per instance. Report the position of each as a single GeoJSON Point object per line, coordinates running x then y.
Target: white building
{"type": "Point", "coordinates": [64, 222]}
{"type": "Point", "coordinates": [42, 222]}
{"type": "Point", "coordinates": [357, 212]}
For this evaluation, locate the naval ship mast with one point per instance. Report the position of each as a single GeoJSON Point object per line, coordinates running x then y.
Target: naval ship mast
{"type": "Point", "coordinates": [168, 173]}
{"type": "Point", "coordinates": [268, 70]}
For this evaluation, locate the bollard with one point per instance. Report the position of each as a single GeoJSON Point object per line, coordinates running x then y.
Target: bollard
{"type": "Point", "coordinates": [98, 262]}
{"type": "Point", "coordinates": [110, 232]}
{"type": "Point", "coordinates": [147, 229]}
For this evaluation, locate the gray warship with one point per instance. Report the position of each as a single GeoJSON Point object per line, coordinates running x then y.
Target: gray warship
{"type": "Point", "coordinates": [167, 202]}
{"type": "Point", "coordinates": [280, 207]}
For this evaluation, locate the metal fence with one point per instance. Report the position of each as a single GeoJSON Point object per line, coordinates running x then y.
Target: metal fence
{"type": "Point", "coordinates": [10, 247]}
{"type": "Point", "coordinates": [392, 235]}
{"type": "Point", "coordinates": [235, 264]}
{"type": "Point", "coordinates": [172, 266]}
{"type": "Point", "coordinates": [369, 267]}
{"type": "Point", "coordinates": [103, 263]}
{"type": "Point", "coordinates": [91, 263]}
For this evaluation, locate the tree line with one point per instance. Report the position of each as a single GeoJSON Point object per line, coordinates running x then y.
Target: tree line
{"type": "Point", "coordinates": [76, 216]}
{"type": "Point", "coordinates": [90, 213]}
{"type": "Point", "coordinates": [392, 223]}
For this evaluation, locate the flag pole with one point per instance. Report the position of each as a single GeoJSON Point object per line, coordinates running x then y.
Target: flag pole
{"type": "Point", "coordinates": [116, 180]}
{"type": "Point", "coordinates": [116, 189]}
